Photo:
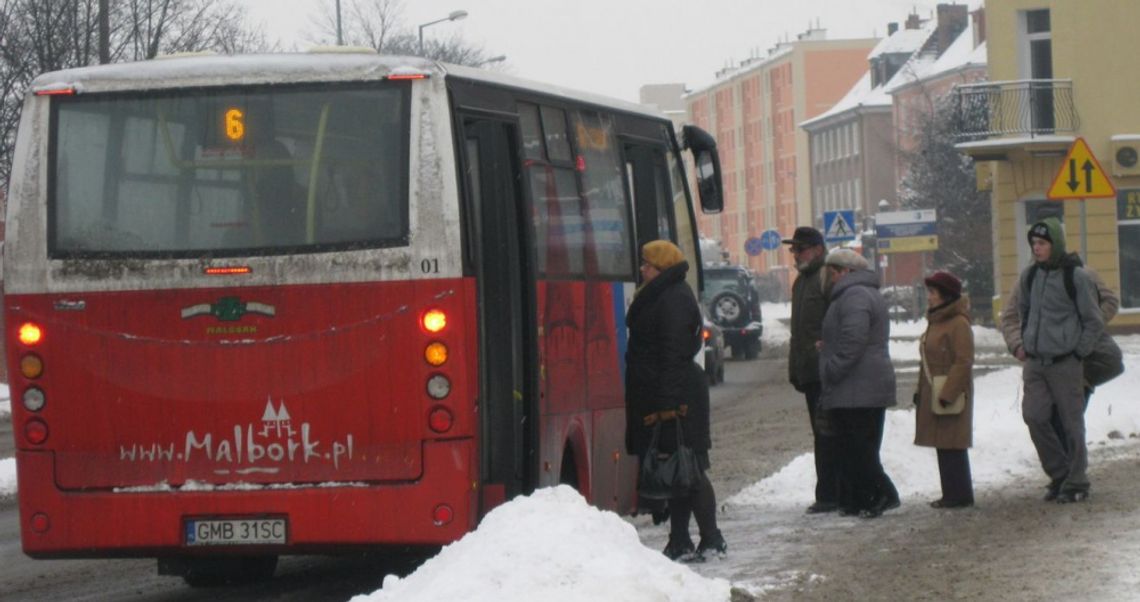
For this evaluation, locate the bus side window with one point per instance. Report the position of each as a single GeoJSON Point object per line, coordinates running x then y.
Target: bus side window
{"type": "Point", "coordinates": [606, 217]}
{"type": "Point", "coordinates": [558, 212]}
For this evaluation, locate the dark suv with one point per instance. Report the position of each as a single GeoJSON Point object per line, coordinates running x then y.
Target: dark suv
{"type": "Point", "coordinates": [733, 302]}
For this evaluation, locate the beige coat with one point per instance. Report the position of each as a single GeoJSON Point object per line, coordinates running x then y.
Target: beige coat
{"type": "Point", "coordinates": [949, 351]}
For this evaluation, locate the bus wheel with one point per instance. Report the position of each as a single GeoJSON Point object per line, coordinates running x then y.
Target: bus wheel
{"type": "Point", "coordinates": [569, 473]}
{"type": "Point", "coordinates": [218, 571]}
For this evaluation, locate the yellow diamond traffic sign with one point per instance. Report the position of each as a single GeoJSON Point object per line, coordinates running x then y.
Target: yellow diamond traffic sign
{"type": "Point", "coordinates": [1080, 176]}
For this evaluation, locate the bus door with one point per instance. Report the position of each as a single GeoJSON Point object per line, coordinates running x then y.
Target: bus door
{"type": "Point", "coordinates": [495, 241]}
{"type": "Point", "coordinates": [661, 207]}
{"type": "Point", "coordinates": [649, 189]}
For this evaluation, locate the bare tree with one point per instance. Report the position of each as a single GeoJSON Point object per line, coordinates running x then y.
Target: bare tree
{"type": "Point", "coordinates": [378, 24]}
{"type": "Point", "coordinates": [941, 178]}
{"type": "Point", "coordinates": [37, 36]}
{"type": "Point", "coordinates": [154, 27]}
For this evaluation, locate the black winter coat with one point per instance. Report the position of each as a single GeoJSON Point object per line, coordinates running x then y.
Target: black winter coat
{"type": "Point", "coordinates": [809, 304]}
{"type": "Point", "coordinates": [665, 323]}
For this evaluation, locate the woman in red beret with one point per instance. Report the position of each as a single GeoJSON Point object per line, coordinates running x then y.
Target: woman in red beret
{"type": "Point", "coordinates": [945, 399]}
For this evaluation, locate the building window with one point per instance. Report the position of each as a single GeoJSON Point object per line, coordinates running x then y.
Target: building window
{"type": "Point", "coordinates": [1036, 63]}
{"type": "Point", "coordinates": [1128, 231]}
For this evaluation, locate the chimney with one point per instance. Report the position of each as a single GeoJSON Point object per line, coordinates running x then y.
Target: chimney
{"type": "Point", "coordinates": [913, 21]}
{"type": "Point", "coordinates": [892, 27]}
{"type": "Point", "coordinates": [951, 22]}
{"type": "Point", "coordinates": [979, 18]}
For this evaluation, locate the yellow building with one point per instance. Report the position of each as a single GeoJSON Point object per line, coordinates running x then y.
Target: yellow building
{"type": "Point", "coordinates": [1060, 71]}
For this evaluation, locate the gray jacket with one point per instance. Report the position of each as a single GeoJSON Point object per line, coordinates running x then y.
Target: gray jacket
{"type": "Point", "coordinates": [855, 364]}
{"type": "Point", "coordinates": [1052, 326]}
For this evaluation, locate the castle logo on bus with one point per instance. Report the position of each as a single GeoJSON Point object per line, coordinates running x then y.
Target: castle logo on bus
{"type": "Point", "coordinates": [254, 447]}
{"type": "Point", "coordinates": [229, 309]}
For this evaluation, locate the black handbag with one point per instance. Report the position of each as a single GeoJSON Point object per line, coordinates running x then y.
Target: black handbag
{"type": "Point", "coordinates": [1105, 363]}
{"type": "Point", "coordinates": [667, 475]}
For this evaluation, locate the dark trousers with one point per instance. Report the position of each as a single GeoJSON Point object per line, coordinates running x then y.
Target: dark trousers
{"type": "Point", "coordinates": [700, 504]}
{"type": "Point", "coordinates": [864, 483]}
{"type": "Point", "coordinates": [1055, 420]}
{"type": "Point", "coordinates": [825, 446]}
{"type": "Point", "coordinates": [954, 471]}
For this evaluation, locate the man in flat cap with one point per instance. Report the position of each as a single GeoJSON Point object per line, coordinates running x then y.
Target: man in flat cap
{"type": "Point", "coordinates": [808, 306]}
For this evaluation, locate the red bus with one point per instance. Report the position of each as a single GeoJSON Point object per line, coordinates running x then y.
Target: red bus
{"type": "Point", "coordinates": [264, 305]}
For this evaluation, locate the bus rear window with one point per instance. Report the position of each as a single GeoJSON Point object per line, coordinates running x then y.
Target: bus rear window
{"type": "Point", "coordinates": [230, 171]}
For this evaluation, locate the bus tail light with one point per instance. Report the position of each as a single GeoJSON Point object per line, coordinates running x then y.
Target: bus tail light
{"type": "Point", "coordinates": [33, 399]}
{"type": "Point", "coordinates": [442, 515]}
{"type": "Point", "coordinates": [31, 366]}
{"type": "Point", "coordinates": [40, 522]}
{"type": "Point", "coordinates": [434, 320]}
{"type": "Point", "coordinates": [438, 386]}
{"type": "Point", "coordinates": [35, 431]}
{"type": "Point", "coordinates": [436, 354]}
{"type": "Point", "coordinates": [31, 333]}
{"type": "Point", "coordinates": [441, 420]}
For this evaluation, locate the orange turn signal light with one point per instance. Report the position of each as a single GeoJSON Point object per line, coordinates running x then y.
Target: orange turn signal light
{"type": "Point", "coordinates": [436, 354]}
{"type": "Point", "coordinates": [31, 366]}
{"type": "Point", "coordinates": [31, 333]}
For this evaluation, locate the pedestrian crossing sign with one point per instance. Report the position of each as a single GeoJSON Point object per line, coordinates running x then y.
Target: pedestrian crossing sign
{"type": "Point", "coordinates": [838, 226]}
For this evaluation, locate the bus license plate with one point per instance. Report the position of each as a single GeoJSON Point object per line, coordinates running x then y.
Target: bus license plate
{"type": "Point", "coordinates": [236, 531]}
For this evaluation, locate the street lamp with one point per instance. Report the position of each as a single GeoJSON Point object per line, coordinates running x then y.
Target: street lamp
{"type": "Point", "coordinates": [454, 16]}
{"type": "Point", "coordinates": [494, 59]}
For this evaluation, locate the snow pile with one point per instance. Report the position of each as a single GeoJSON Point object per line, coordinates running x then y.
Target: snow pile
{"type": "Point", "coordinates": [7, 477]}
{"type": "Point", "coordinates": [551, 546]}
{"type": "Point", "coordinates": [1002, 449]}
{"type": "Point", "coordinates": [776, 329]}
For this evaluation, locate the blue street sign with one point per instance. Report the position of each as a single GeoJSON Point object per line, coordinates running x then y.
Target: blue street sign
{"type": "Point", "coordinates": [753, 246]}
{"type": "Point", "coordinates": [838, 226]}
{"type": "Point", "coordinates": [770, 239]}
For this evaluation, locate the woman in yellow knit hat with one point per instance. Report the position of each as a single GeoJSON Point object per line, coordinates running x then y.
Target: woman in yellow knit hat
{"type": "Point", "coordinates": [663, 383]}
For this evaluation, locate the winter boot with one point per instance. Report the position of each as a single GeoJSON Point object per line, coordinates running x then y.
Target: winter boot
{"type": "Point", "coordinates": [712, 546]}
{"type": "Point", "coordinates": [682, 550]}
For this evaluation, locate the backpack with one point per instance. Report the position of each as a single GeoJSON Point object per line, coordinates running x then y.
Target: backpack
{"type": "Point", "coordinates": [1106, 361]}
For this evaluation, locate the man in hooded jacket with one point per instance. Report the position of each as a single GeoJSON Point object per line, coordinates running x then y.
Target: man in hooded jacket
{"type": "Point", "coordinates": [1057, 333]}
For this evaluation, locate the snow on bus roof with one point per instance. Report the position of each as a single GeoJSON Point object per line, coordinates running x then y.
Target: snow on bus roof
{"type": "Point", "coordinates": [216, 70]}
{"type": "Point", "coordinates": [186, 71]}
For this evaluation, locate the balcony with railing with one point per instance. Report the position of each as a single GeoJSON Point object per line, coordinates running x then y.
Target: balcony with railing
{"type": "Point", "coordinates": [1021, 113]}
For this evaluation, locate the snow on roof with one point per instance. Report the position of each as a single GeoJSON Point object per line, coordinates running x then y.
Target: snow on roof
{"type": "Point", "coordinates": [214, 70]}
{"type": "Point", "coordinates": [745, 67]}
{"type": "Point", "coordinates": [921, 65]}
{"type": "Point", "coordinates": [303, 67]}
{"type": "Point", "coordinates": [903, 40]}
{"type": "Point", "coordinates": [959, 55]}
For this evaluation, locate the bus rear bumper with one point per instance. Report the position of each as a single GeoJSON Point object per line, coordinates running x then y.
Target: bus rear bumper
{"type": "Point", "coordinates": [320, 519]}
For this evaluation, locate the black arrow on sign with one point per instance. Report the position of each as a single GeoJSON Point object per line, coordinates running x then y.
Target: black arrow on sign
{"type": "Point", "coordinates": [1088, 167]}
{"type": "Point", "coordinates": [1073, 183]}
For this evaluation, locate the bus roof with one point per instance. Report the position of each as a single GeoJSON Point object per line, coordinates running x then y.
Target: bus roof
{"type": "Point", "coordinates": [199, 70]}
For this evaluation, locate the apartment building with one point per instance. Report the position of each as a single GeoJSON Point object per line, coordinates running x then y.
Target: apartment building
{"type": "Point", "coordinates": [1059, 71]}
{"type": "Point", "coordinates": [753, 110]}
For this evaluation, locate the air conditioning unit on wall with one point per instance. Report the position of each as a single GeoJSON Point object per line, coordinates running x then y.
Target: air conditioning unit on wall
{"type": "Point", "coordinates": [1126, 155]}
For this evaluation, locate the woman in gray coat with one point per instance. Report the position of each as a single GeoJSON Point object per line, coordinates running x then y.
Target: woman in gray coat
{"type": "Point", "coordinates": [858, 381]}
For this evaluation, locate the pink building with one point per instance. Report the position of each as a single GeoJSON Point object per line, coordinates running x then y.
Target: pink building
{"type": "Point", "coordinates": [753, 109]}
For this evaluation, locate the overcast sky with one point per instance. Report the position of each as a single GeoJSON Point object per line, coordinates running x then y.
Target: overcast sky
{"type": "Point", "coordinates": [613, 47]}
